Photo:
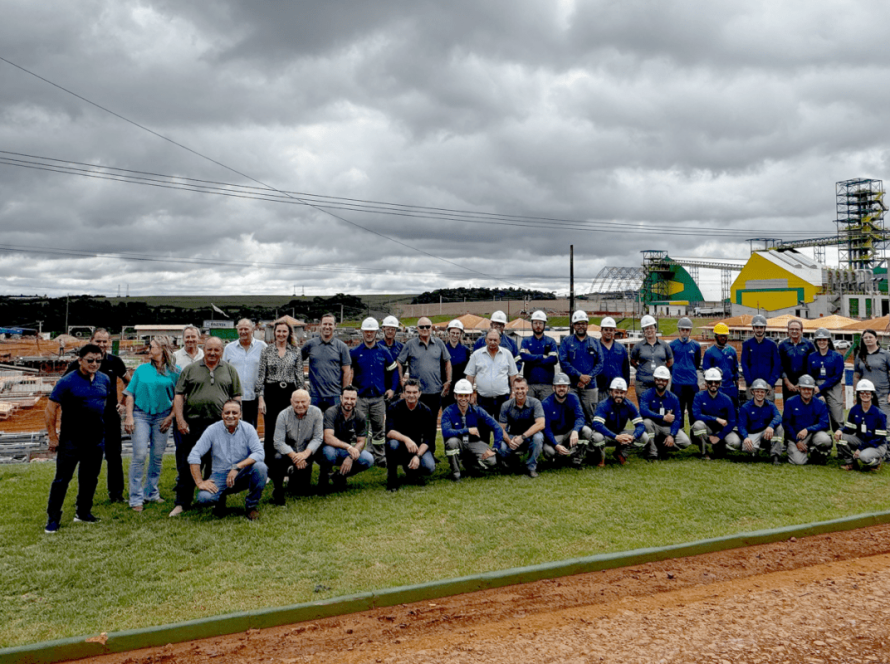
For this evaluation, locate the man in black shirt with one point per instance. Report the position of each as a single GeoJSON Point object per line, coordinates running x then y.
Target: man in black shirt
{"type": "Point", "coordinates": [410, 437]}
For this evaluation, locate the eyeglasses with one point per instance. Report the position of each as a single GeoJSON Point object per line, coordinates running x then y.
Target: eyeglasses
{"type": "Point", "coordinates": [424, 327]}
{"type": "Point", "coordinates": [93, 360]}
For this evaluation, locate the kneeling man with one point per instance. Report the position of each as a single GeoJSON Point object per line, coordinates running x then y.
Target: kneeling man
{"type": "Point", "coordinates": [298, 436]}
{"type": "Point", "coordinates": [662, 418]}
{"type": "Point", "coordinates": [522, 419]}
{"type": "Point", "coordinates": [612, 416]}
{"type": "Point", "coordinates": [461, 424]}
{"type": "Point", "coordinates": [566, 434]}
{"type": "Point", "coordinates": [715, 416]}
{"type": "Point", "coordinates": [344, 441]}
{"type": "Point", "coordinates": [410, 437]}
{"type": "Point", "coordinates": [237, 465]}
{"type": "Point", "coordinates": [807, 424]}
{"type": "Point", "coordinates": [760, 424]}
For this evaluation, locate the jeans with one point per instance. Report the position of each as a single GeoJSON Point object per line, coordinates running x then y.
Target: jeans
{"type": "Point", "coordinates": [397, 455]}
{"type": "Point", "coordinates": [532, 445]}
{"type": "Point", "coordinates": [335, 456]}
{"type": "Point", "coordinates": [68, 457]}
{"type": "Point", "coordinates": [149, 442]}
{"type": "Point", "coordinates": [251, 479]}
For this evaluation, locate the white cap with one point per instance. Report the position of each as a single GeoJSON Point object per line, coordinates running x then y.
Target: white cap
{"type": "Point", "coordinates": [662, 372]}
{"type": "Point", "coordinates": [713, 374]}
{"type": "Point", "coordinates": [608, 321]}
{"type": "Point", "coordinates": [580, 316]}
{"type": "Point", "coordinates": [647, 321]}
{"type": "Point", "coordinates": [463, 386]}
{"type": "Point", "coordinates": [390, 321]}
{"type": "Point", "coordinates": [865, 385]}
{"type": "Point", "coordinates": [499, 317]}
{"type": "Point", "coordinates": [455, 323]}
{"type": "Point", "coordinates": [618, 384]}
{"type": "Point", "coordinates": [539, 315]}
{"type": "Point", "coordinates": [370, 325]}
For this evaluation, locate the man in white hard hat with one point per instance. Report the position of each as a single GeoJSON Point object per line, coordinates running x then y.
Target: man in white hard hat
{"type": "Point", "coordinates": [612, 417]}
{"type": "Point", "coordinates": [581, 359]}
{"type": "Point", "coordinates": [760, 358]}
{"type": "Point", "coordinates": [806, 423]}
{"type": "Point", "coordinates": [715, 417]}
{"type": "Point", "coordinates": [460, 356]}
{"type": "Point", "coordinates": [685, 372]}
{"type": "Point", "coordinates": [390, 327]}
{"type": "Point", "coordinates": [499, 323]}
{"type": "Point", "coordinates": [863, 438]}
{"type": "Point", "coordinates": [372, 364]}
{"type": "Point", "coordinates": [566, 433]}
{"type": "Point", "coordinates": [616, 360]}
{"type": "Point", "coordinates": [662, 418]}
{"type": "Point", "coordinates": [760, 424]}
{"type": "Point", "coordinates": [461, 424]}
{"type": "Point", "coordinates": [539, 353]}
{"type": "Point", "coordinates": [649, 354]}
{"type": "Point", "coordinates": [427, 359]}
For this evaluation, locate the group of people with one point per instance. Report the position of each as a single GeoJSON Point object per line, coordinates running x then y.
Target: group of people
{"type": "Point", "coordinates": [502, 406]}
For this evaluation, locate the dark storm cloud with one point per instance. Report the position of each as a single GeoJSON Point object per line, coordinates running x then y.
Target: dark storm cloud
{"type": "Point", "coordinates": [673, 115]}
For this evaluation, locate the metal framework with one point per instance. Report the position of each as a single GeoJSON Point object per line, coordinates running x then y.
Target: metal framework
{"type": "Point", "coordinates": [618, 281]}
{"type": "Point", "coordinates": [861, 236]}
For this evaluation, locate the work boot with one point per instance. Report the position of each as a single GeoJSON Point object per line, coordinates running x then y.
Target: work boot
{"type": "Point", "coordinates": [775, 460]}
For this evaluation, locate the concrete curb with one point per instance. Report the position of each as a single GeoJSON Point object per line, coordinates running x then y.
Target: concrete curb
{"type": "Point", "coordinates": [78, 647]}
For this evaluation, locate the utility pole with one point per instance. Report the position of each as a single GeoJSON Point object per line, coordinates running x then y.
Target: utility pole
{"type": "Point", "coordinates": [67, 296]}
{"type": "Point", "coordinates": [341, 313]}
{"type": "Point", "coordinates": [571, 279]}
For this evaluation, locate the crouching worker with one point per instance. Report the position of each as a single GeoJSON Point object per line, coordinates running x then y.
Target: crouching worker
{"type": "Point", "coordinates": [344, 442]}
{"type": "Point", "coordinates": [760, 424]}
{"type": "Point", "coordinates": [410, 437]}
{"type": "Point", "coordinates": [662, 418]}
{"type": "Point", "coordinates": [715, 417]}
{"type": "Point", "coordinates": [237, 465]}
{"type": "Point", "coordinates": [460, 429]}
{"type": "Point", "coordinates": [298, 436]}
{"type": "Point", "coordinates": [612, 416]}
{"type": "Point", "coordinates": [566, 434]}
{"type": "Point", "coordinates": [806, 425]}
{"type": "Point", "coordinates": [863, 437]}
{"type": "Point", "coordinates": [522, 419]}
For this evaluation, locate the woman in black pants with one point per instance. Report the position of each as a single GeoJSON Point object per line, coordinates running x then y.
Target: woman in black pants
{"type": "Point", "coordinates": [280, 373]}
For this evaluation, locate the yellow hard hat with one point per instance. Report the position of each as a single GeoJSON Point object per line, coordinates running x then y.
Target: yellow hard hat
{"type": "Point", "coordinates": [721, 328]}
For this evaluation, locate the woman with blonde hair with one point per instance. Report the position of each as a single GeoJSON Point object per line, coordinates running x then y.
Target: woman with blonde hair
{"type": "Point", "coordinates": [149, 416]}
{"type": "Point", "coordinates": [280, 373]}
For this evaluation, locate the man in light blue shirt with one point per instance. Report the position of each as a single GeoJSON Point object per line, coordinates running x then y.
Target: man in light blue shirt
{"type": "Point", "coordinates": [492, 370]}
{"type": "Point", "coordinates": [244, 355]}
{"type": "Point", "coordinates": [238, 457]}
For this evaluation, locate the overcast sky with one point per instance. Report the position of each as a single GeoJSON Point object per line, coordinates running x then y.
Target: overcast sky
{"type": "Point", "coordinates": [720, 120]}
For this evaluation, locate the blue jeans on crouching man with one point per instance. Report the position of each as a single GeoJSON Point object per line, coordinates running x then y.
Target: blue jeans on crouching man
{"type": "Point", "coordinates": [251, 479]}
{"type": "Point", "coordinates": [397, 454]}
{"type": "Point", "coordinates": [532, 446]}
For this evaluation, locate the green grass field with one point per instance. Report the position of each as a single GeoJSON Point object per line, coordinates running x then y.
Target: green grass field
{"type": "Point", "coordinates": [135, 570]}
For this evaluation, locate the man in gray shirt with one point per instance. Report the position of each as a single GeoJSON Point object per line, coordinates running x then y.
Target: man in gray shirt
{"type": "Point", "coordinates": [330, 366]}
{"type": "Point", "coordinates": [298, 435]}
{"type": "Point", "coordinates": [425, 357]}
{"type": "Point", "coordinates": [522, 419]}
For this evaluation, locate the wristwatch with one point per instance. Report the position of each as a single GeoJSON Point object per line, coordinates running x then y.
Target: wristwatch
{"type": "Point", "coordinates": [235, 468]}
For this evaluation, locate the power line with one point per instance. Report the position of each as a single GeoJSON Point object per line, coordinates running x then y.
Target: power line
{"type": "Point", "coordinates": [237, 172]}
{"type": "Point", "coordinates": [146, 178]}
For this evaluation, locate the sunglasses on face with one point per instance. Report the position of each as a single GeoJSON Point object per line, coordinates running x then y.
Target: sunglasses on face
{"type": "Point", "coordinates": [93, 360]}
{"type": "Point", "coordinates": [424, 327]}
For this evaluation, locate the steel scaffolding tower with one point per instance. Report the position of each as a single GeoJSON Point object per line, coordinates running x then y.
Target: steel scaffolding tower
{"type": "Point", "coordinates": [861, 237]}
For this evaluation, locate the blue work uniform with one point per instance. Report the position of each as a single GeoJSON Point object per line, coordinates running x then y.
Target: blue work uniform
{"type": "Point", "coordinates": [654, 407]}
{"type": "Point", "coordinates": [611, 419]}
{"type": "Point", "coordinates": [374, 370]}
{"type": "Point", "coordinates": [709, 409]}
{"type": "Point", "coordinates": [539, 357]}
{"type": "Point", "coordinates": [761, 360]}
{"type": "Point", "coordinates": [616, 364]}
{"type": "Point", "coordinates": [794, 358]}
{"type": "Point", "coordinates": [727, 361]}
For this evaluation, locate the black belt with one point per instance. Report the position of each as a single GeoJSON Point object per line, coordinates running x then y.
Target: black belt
{"type": "Point", "coordinates": [281, 384]}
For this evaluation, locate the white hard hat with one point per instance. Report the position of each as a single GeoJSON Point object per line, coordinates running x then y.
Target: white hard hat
{"type": "Point", "coordinates": [463, 386]}
{"type": "Point", "coordinates": [647, 321]}
{"type": "Point", "coordinates": [370, 325]}
{"type": "Point", "coordinates": [580, 316]}
{"type": "Point", "coordinates": [760, 384]}
{"type": "Point", "coordinates": [499, 317]}
{"type": "Point", "coordinates": [455, 323]}
{"type": "Point", "coordinates": [618, 384]}
{"type": "Point", "coordinates": [608, 321]}
{"type": "Point", "coordinates": [662, 372]}
{"type": "Point", "coordinates": [539, 315]}
{"type": "Point", "coordinates": [390, 321]}
{"type": "Point", "coordinates": [713, 374]}
{"type": "Point", "coordinates": [806, 381]}
{"type": "Point", "coordinates": [865, 385]}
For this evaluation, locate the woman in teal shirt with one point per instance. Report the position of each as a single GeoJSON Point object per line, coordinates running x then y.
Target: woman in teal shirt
{"type": "Point", "coordinates": [149, 415]}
